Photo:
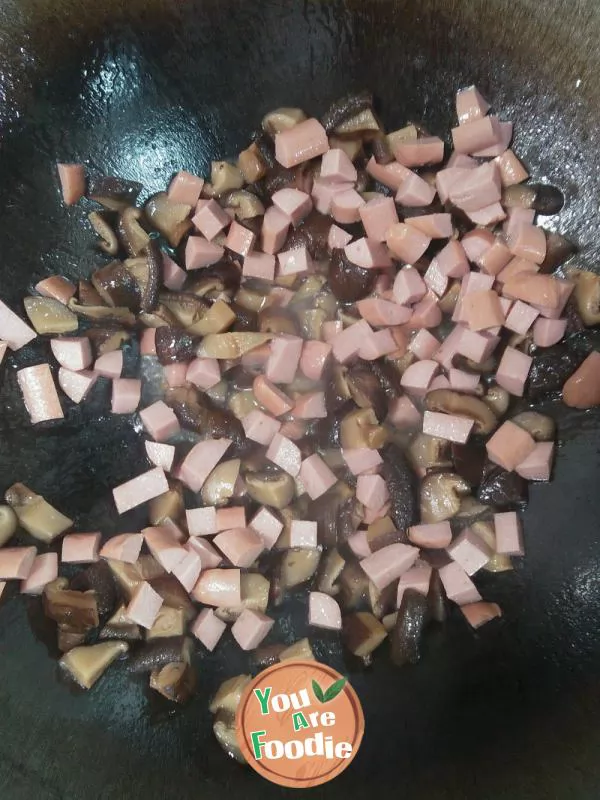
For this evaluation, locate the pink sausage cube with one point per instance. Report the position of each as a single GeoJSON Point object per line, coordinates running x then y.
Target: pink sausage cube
{"type": "Point", "coordinates": [16, 562]}
{"type": "Point", "coordinates": [144, 606]}
{"type": "Point", "coordinates": [424, 345]}
{"type": "Point", "coordinates": [482, 310]}
{"type": "Point", "coordinates": [208, 628]}
{"type": "Point", "coordinates": [447, 426]}
{"type": "Point", "coordinates": [310, 406]}
{"type": "Point", "coordinates": [159, 421]}
{"type": "Point", "coordinates": [201, 460]}
{"type": "Point", "coordinates": [388, 564]}
{"type": "Point", "coordinates": [164, 546]}
{"type": "Point", "coordinates": [239, 239]}
{"type": "Point", "coordinates": [126, 394]}
{"type": "Point", "coordinates": [476, 243]}
{"type": "Point", "coordinates": [57, 287]}
{"type": "Point", "coordinates": [461, 161]}
{"type": "Point", "coordinates": [304, 141]}
{"type": "Point", "coordinates": [417, 578]}
{"type": "Point", "coordinates": [406, 243]}
{"type": "Point", "coordinates": [409, 286]}
{"type": "Point", "coordinates": [379, 312]}
{"type": "Point", "coordinates": [477, 188]}
{"type": "Point", "coordinates": [470, 551]}
{"type": "Point", "coordinates": [187, 571]}
{"type": "Point", "coordinates": [452, 260]}
{"type": "Point", "coordinates": [403, 413]}
{"type": "Point", "coordinates": [553, 311]}
{"type": "Point", "coordinates": [323, 193]}
{"type": "Point", "coordinates": [316, 476]}
{"type": "Point", "coordinates": [110, 365]}
{"type": "Point", "coordinates": [282, 364]}
{"type": "Point", "coordinates": [513, 371]}
{"type": "Point", "coordinates": [124, 547]}
{"type": "Point", "coordinates": [511, 169]}
{"type": "Point", "coordinates": [515, 217]}
{"type": "Point", "coordinates": [516, 266]}
{"type": "Point", "coordinates": [274, 230]}
{"type": "Point", "coordinates": [521, 317]}
{"type": "Point", "coordinates": [251, 627]}
{"type": "Point", "coordinates": [270, 397]}
{"type": "Point", "coordinates": [418, 376]}
{"type": "Point", "coordinates": [538, 464]}
{"type": "Point", "coordinates": [337, 167]}
{"type": "Point", "coordinates": [241, 546]}
{"type": "Point", "coordinates": [435, 278]}
{"type": "Point", "coordinates": [175, 374]}
{"type": "Point", "coordinates": [330, 329]}
{"type": "Point", "coordinates": [204, 373]}
{"type": "Point", "coordinates": [285, 454]}
{"type": "Point", "coordinates": [260, 427]}
{"type": "Point", "coordinates": [44, 570]}
{"type": "Point", "coordinates": [173, 276]}
{"type": "Point", "coordinates": [436, 226]}
{"type": "Point", "coordinates": [439, 382]}
{"type": "Point", "coordinates": [303, 533]}
{"type": "Point", "coordinates": [72, 182]}
{"type": "Point", "coordinates": [218, 587]}
{"type": "Point", "coordinates": [324, 611]}
{"type": "Point", "coordinates": [477, 346]}
{"type": "Point", "coordinates": [347, 343]}
{"type": "Point", "coordinates": [185, 188]}
{"type": "Point", "coordinates": [494, 258]}
{"type": "Point", "coordinates": [359, 544]}
{"type": "Point", "coordinates": [528, 242]}
{"type": "Point", "coordinates": [211, 219]}
{"type": "Point", "coordinates": [232, 517]}
{"type": "Point", "coordinates": [39, 393]}
{"type": "Point", "coordinates": [267, 525]}
{"type": "Point", "coordinates": [470, 105]}
{"type": "Point", "coordinates": [475, 135]}
{"type": "Point", "coordinates": [80, 548]}
{"type": "Point", "coordinates": [414, 191]}
{"type": "Point", "coordinates": [345, 206]}
{"type": "Point", "coordinates": [488, 215]}
{"type": "Point", "coordinates": [314, 358]}
{"type": "Point", "coordinates": [504, 137]}
{"type": "Point", "coordinates": [72, 352]}
{"type": "Point", "coordinates": [338, 238]}
{"type": "Point", "coordinates": [391, 175]}
{"type": "Point", "coordinates": [148, 342]}
{"type": "Point", "coordinates": [371, 491]}
{"type": "Point", "coordinates": [418, 152]}
{"type": "Point", "coordinates": [259, 265]}
{"type": "Point", "coordinates": [478, 614]}
{"type": "Point", "coordinates": [202, 521]}
{"type": "Point", "coordinates": [372, 514]}
{"type": "Point", "coordinates": [458, 586]}
{"type": "Point", "coordinates": [161, 455]}
{"type": "Point", "coordinates": [432, 535]}
{"type": "Point", "coordinates": [199, 252]}
{"type": "Point", "coordinates": [293, 203]}
{"type": "Point", "coordinates": [209, 556]}
{"type": "Point", "coordinates": [462, 381]}
{"type": "Point", "coordinates": [509, 536]}
{"type": "Point", "coordinates": [378, 344]}
{"type": "Point", "coordinates": [294, 262]}
{"type": "Point", "coordinates": [378, 215]}
{"type": "Point", "coordinates": [547, 332]}
{"type": "Point", "coordinates": [368, 253]}
{"type": "Point", "coordinates": [509, 446]}
{"type": "Point", "coordinates": [361, 459]}
{"type": "Point", "coordinates": [445, 179]}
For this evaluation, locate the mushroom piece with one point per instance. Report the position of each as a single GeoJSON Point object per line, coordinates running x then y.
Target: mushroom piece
{"type": "Point", "coordinates": [76, 610]}
{"type": "Point", "coordinates": [168, 217]}
{"type": "Point", "coordinates": [87, 664]}
{"type": "Point", "coordinates": [498, 399]}
{"type": "Point", "coordinates": [449, 299]}
{"type": "Point", "coordinates": [499, 562]}
{"type": "Point", "coordinates": [251, 164]}
{"type": "Point", "coordinates": [277, 320]}
{"type": "Point", "coordinates": [362, 633]}
{"type": "Point", "coordinates": [254, 589]}
{"type": "Point", "coordinates": [558, 250]}
{"type": "Point", "coordinates": [106, 340]}
{"type": "Point", "coordinates": [541, 197]}
{"type": "Point", "coordinates": [244, 204]}
{"type": "Point", "coordinates": [354, 585]}
{"type": "Point", "coordinates": [329, 571]}
{"type": "Point", "coordinates": [160, 652]}
{"type": "Point", "coordinates": [502, 489]}
{"type": "Point", "coordinates": [98, 578]}
{"type": "Point", "coordinates": [50, 316]}
{"type": "Point", "coordinates": [225, 346]}
{"type": "Point", "coordinates": [116, 286]}
{"type": "Point", "coordinates": [169, 622]}
{"type": "Point", "coordinates": [121, 315]}
{"type": "Point", "coordinates": [300, 650]}
{"type": "Point", "coordinates": [224, 729]}
{"type": "Point", "coordinates": [108, 238]}
{"type": "Point", "coordinates": [336, 513]}
{"type": "Point", "coordinates": [429, 452]}
{"type": "Point", "coordinates": [463, 405]}
{"type": "Point", "coordinates": [229, 694]}
{"type": "Point", "coordinates": [360, 428]}
{"type": "Point", "coordinates": [587, 295]}
{"type": "Point", "coordinates": [88, 296]}
{"type": "Point", "coordinates": [113, 193]}
{"type": "Point", "coordinates": [119, 626]}
{"type": "Point", "coordinates": [381, 149]}
{"type": "Point", "coordinates": [8, 524]}
{"type": "Point", "coordinates": [403, 487]}
{"type": "Point", "coordinates": [383, 532]}
{"type": "Point", "coordinates": [198, 414]}
{"type": "Point", "coordinates": [174, 346]}
{"type": "Point", "coordinates": [172, 593]}
{"type": "Point", "coordinates": [225, 177]}
{"type": "Point", "coordinates": [469, 460]}
{"type": "Point", "coordinates": [175, 681]}
{"type": "Point", "coordinates": [366, 390]}
{"type": "Point", "coordinates": [406, 635]}
{"type": "Point", "coordinates": [345, 108]}
{"type": "Point", "coordinates": [382, 601]}
{"type": "Point", "coordinates": [441, 494]}
{"type": "Point", "coordinates": [540, 426]}
{"type": "Point", "coordinates": [337, 391]}
{"type": "Point", "coordinates": [67, 638]}
{"type": "Point", "coordinates": [169, 505]}
{"type": "Point", "coordinates": [349, 282]}
{"type": "Point", "coordinates": [551, 368]}
{"type": "Point", "coordinates": [37, 516]}
{"type": "Point", "coordinates": [147, 272]}
{"type": "Point", "coordinates": [242, 403]}
{"type": "Point", "coordinates": [364, 122]}
{"type": "Point", "coordinates": [437, 600]}
{"type": "Point", "coordinates": [270, 489]}
{"type": "Point", "coordinates": [296, 566]}
{"type": "Point", "coordinates": [188, 309]}
{"type": "Point", "coordinates": [216, 281]}
{"type": "Point", "coordinates": [282, 119]}
{"type": "Point", "coordinates": [219, 487]}
{"type": "Point", "coordinates": [133, 237]}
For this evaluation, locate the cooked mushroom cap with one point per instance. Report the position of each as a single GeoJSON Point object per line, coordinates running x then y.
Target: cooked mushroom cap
{"type": "Point", "coordinates": [87, 664]}
{"type": "Point", "coordinates": [587, 295]}
{"type": "Point", "coordinates": [50, 316]}
{"type": "Point", "coordinates": [540, 426]}
{"type": "Point", "coordinates": [8, 524]}
{"type": "Point", "coordinates": [36, 515]}
{"type": "Point", "coordinates": [441, 494]}
{"type": "Point", "coordinates": [463, 405]}
{"type": "Point", "coordinates": [271, 489]}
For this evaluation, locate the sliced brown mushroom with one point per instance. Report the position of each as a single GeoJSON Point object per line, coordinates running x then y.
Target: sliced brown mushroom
{"type": "Point", "coordinates": [408, 133]}
{"type": "Point", "coordinates": [296, 566]}
{"type": "Point", "coordinates": [168, 217]}
{"type": "Point", "coordinates": [87, 664]}
{"type": "Point", "coordinates": [437, 600]}
{"type": "Point", "coordinates": [300, 650]}
{"type": "Point", "coordinates": [429, 452]}
{"type": "Point", "coordinates": [77, 610]}
{"type": "Point", "coordinates": [406, 636]}
{"type": "Point", "coordinates": [271, 489]}
{"type": "Point", "coordinates": [225, 731]}
{"type": "Point", "coordinates": [106, 340]}
{"type": "Point", "coordinates": [282, 119]}
{"type": "Point", "coordinates": [362, 633]}
{"type": "Point", "coordinates": [8, 524]}
{"type": "Point", "coordinates": [463, 405]}
{"type": "Point", "coordinates": [119, 315]}
{"type": "Point", "coordinates": [366, 390]}
{"type": "Point", "coordinates": [215, 282]}
{"type": "Point", "coordinates": [587, 295]}
{"type": "Point", "coordinates": [98, 578]}
{"type": "Point", "coordinates": [219, 487]}
{"type": "Point", "coordinates": [558, 250]}
{"type": "Point", "coordinates": [540, 426]}
{"type": "Point", "coordinates": [37, 516]}
{"type": "Point", "coordinates": [50, 316]}
{"type": "Point", "coordinates": [349, 282]}
{"type": "Point", "coordinates": [498, 399]}
{"type": "Point", "coordinates": [117, 286]}
{"type": "Point", "coordinates": [346, 108]}
{"type": "Point", "coordinates": [225, 177]}
{"type": "Point", "coordinates": [133, 237]}
{"type": "Point", "coordinates": [168, 505]}
{"type": "Point", "coordinates": [242, 403]}
{"type": "Point", "coordinates": [382, 601]}
{"type": "Point", "coordinates": [113, 193]}
{"type": "Point", "coordinates": [198, 414]}
{"type": "Point", "coordinates": [67, 638]}
{"type": "Point", "coordinates": [229, 694]}
{"type": "Point", "coordinates": [329, 571]}
{"type": "Point", "coordinates": [88, 296]}
{"type": "Point", "coordinates": [231, 345]}
{"type": "Point", "coordinates": [277, 320]}
{"type": "Point", "coordinates": [174, 346]}
{"type": "Point", "coordinates": [160, 652]}
{"type": "Point", "coordinates": [449, 300]}
{"type": "Point", "coordinates": [119, 626]}
{"type": "Point", "coordinates": [351, 145]}
{"type": "Point", "coordinates": [251, 164]}
{"type": "Point", "coordinates": [175, 681]}
{"type": "Point", "coordinates": [173, 594]}
{"type": "Point", "coordinates": [360, 428]}
{"type": "Point", "coordinates": [363, 122]}
{"type": "Point", "coordinates": [382, 532]}
{"type": "Point", "coordinates": [108, 238]}
{"type": "Point", "coordinates": [244, 204]}
{"type": "Point", "coordinates": [541, 197]}
{"type": "Point", "coordinates": [147, 272]}
{"type": "Point", "coordinates": [441, 493]}
{"type": "Point", "coordinates": [354, 585]}
{"type": "Point", "coordinates": [219, 318]}
{"type": "Point", "coordinates": [499, 562]}
{"type": "Point", "coordinates": [169, 622]}
{"type": "Point", "coordinates": [254, 589]}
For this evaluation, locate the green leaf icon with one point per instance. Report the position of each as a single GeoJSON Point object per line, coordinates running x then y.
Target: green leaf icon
{"type": "Point", "coordinates": [318, 692]}
{"type": "Point", "coordinates": [334, 689]}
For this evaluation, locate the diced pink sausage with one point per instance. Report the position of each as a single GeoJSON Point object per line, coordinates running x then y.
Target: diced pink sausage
{"type": "Point", "coordinates": [208, 628]}
{"type": "Point", "coordinates": [72, 182]}
{"type": "Point", "coordinates": [494, 258]}
{"type": "Point", "coordinates": [447, 426]}
{"type": "Point", "coordinates": [477, 346]}
{"type": "Point", "coordinates": [521, 317]}
{"type": "Point", "coordinates": [57, 287]}
{"type": "Point", "coordinates": [488, 215]}
{"type": "Point", "coordinates": [539, 290]}
{"type": "Point", "coordinates": [187, 571]}
{"type": "Point", "coordinates": [148, 342]}
{"type": "Point", "coordinates": [424, 345]}
{"type": "Point", "coordinates": [347, 343]}
{"type": "Point", "coordinates": [529, 242]}
{"type": "Point", "coordinates": [80, 548]}
{"type": "Point", "coordinates": [219, 587]}
{"type": "Point", "coordinates": [274, 230]}
{"type": "Point", "coordinates": [293, 203]}
{"type": "Point", "coordinates": [417, 578]}
{"type": "Point", "coordinates": [324, 611]}
{"type": "Point", "coordinates": [538, 464]}
{"type": "Point", "coordinates": [407, 243]}
{"type": "Point", "coordinates": [267, 525]}
{"type": "Point", "coordinates": [330, 329]}
{"type": "Point", "coordinates": [476, 243]}
{"type": "Point", "coordinates": [458, 586]}
{"type": "Point", "coordinates": [201, 460]}
{"type": "Point", "coordinates": [470, 105]}
{"type": "Point", "coordinates": [435, 279]}
{"type": "Point", "coordinates": [433, 536]}
{"type": "Point", "coordinates": [314, 357]}
{"type": "Point", "coordinates": [359, 544]}
{"type": "Point", "coordinates": [241, 546]}
{"type": "Point", "coordinates": [294, 262]}
{"type": "Point", "coordinates": [338, 238]}
{"type": "Point", "coordinates": [446, 178]}
{"type": "Point", "coordinates": [439, 382]}
{"type": "Point", "coordinates": [368, 254]}
{"type": "Point", "coordinates": [161, 455]}
{"type": "Point", "coordinates": [270, 397]}
{"type": "Point", "coordinates": [515, 217]}
{"type": "Point", "coordinates": [324, 191]}
{"type": "Point", "coordinates": [260, 427]}
{"type": "Point", "coordinates": [185, 188]}
{"type": "Point", "coordinates": [478, 614]}
{"type": "Point", "coordinates": [140, 489]}
{"type": "Point", "coordinates": [403, 413]}
{"type": "Point", "coordinates": [418, 152]}
{"type": "Point", "coordinates": [345, 206]}
{"type": "Point", "coordinates": [44, 570]}
{"type": "Point", "coordinates": [173, 276]}
{"type": "Point", "coordinates": [371, 491]}
{"type": "Point", "coordinates": [260, 265]}
{"type": "Point", "coordinates": [144, 606]}
{"type": "Point", "coordinates": [475, 135]}
{"type": "Point", "coordinates": [389, 563]}
{"type": "Point", "coordinates": [39, 393]}
{"type": "Point", "coordinates": [378, 215]}
{"type": "Point", "coordinates": [256, 358]}
{"type": "Point", "coordinates": [547, 332]}
{"type": "Point", "coordinates": [449, 347]}
{"type": "Point", "coordinates": [513, 371]}
{"type": "Point", "coordinates": [361, 459]}
{"type": "Point", "coordinates": [251, 627]}
{"type": "Point", "coordinates": [470, 551]}
{"type": "Point", "coordinates": [482, 310]}
{"type": "Point", "coordinates": [123, 547]}
{"type": "Point", "coordinates": [462, 161]}
{"type": "Point", "coordinates": [110, 365]}
{"type": "Point", "coordinates": [564, 289]}
{"type": "Point", "coordinates": [380, 312]}
{"type": "Point", "coordinates": [504, 138]}
{"type": "Point", "coordinates": [211, 219]}
{"type": "Point", "coordinates": [282, 364]}
{"type": "Point", "coordinates": [164, 546]}
{"type": "Point", "coordinates": [418, 376]}
{"type": "Point", "coordinates": [509, 536]}
{"type": "Point", "coordinates": [436, 226]}
{"type": "Point", "coordinates": [16, 562]}
{"type": "Point", "coordinates": [204, 373]}
{"type": "Point", "coordinates": [516, 266]}
{"type": "Point", "coordinates": [202, 521]}
{"type": "Point", "coordinates": [477, 188]}
{"type": "Point", "coordinates": [285, 454]}
{"type": "Point", "coordinates": [232, 517]}
{"type": "Point", "coordinates": [414, 191]}
{"type": "Point", "coordinates": [452, 260]}
{"type": "Point", "coordinates": [199, 252]}
{"type": "Point", "coordinates": [310, 406]}
{"type": "Point", "coordinates": [316, 476]}
{"type": "Point", "coordinates": [390, 175]}
{"type": "Point", "coordinates": [303, 533]}
{"type": "Point", "coordinates": [462, 381]}
{"type": "Point", "coordinates": [337, 167]}
{"type": "Point", "coordinates": [371, 515]}
{"type": "Point", "coordinates": [209, 556]}
{"type": "Point", "coordinates": [409, 286]}
{"type": "Point", "coordinates": [509, 446]}
{"type": "Point", "coordinates": [378, 344]}
{"type": "Point", "coordinates": [160, 421]}
{"type": "Point", "coordinates": [240, 239]}
{"type": "Point", "coordinates": [126, 395]}
{"type": "Point", "coordinates": [511, 169]}
{"type": "Point", "coordinates": [304, 141]}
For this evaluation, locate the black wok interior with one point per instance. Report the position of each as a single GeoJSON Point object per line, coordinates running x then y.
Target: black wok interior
{"type": "Point", "coordinates": [143, 88]}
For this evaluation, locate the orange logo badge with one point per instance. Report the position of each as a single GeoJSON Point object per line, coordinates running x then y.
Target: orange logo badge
{"type": "Point", "coordinates": [299, 723]}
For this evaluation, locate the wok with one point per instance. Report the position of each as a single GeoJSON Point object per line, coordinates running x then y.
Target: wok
{"type": "Point", "coordinates": [143, 88]}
